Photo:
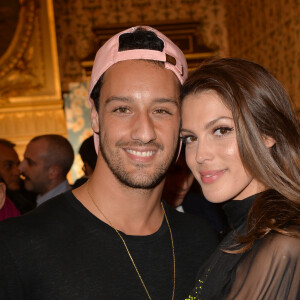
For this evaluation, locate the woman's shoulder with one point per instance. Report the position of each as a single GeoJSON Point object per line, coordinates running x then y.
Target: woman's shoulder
{"type": "Point", "coordinates": [282, 245]}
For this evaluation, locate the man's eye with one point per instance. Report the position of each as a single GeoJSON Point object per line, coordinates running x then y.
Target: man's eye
{"type": "Point", "coordinates": [8, 165]}
{"type": "Point", "coordinates": [221, 131]}
{"type": "Point", "coordinates": [189, 139]}
{"type": "Point", "coordinates": [162, 111]}
{"type": "Point", "coordinates": [122, 110]}
{"type": "Point", "coordinates": [29, 162]}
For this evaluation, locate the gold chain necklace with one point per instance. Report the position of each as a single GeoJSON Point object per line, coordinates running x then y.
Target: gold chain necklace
{"type": "Point", "coordinates": [129, 254]}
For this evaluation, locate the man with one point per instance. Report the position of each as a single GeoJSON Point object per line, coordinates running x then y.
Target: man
{"type": "Point", "coordinates": [89, 158]}
{"type": "Point", "coordinates": [9, 163]}
{"type": "Point", "coordinates": [47, 161]}
{"type": "Point", "coordinates": [112, 238]}
{"type": "Point", "coordinates": [9, 172]}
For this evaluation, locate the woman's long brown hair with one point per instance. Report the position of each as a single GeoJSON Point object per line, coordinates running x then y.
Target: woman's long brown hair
{"type": "Point", "coordinates": [261, 108]}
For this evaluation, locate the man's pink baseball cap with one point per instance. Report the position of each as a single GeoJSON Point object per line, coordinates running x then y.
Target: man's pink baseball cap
{"type": "Point", "coordinates": [109, 55]}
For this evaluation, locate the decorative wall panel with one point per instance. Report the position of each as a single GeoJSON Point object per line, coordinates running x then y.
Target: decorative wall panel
{"type": "Point", "coordinates": [185, 34]}
{"type": "Point", "coordinates": [268, 32]}
{"type": "Point", "coordinates": [78, 122]}
{"type": "Point", "coordinates": [30, 94]}
{"type": "Point", "coordinates": [75, 20]}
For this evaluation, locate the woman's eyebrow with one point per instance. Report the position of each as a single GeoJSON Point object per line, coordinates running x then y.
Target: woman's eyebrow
{"type": "Point", "coordinates": [209, 124]}
{"type": "Point", "coordinates": [213, 122]}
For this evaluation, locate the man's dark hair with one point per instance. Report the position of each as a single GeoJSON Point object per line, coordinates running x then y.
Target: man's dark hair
{"type": "Point", "coordinates": [59, 152]}
{"type": "Point", "coordinates": [139, 39]}
{"type": "Point", "coordinates": [7, 143]}
{"type": "Point", "coordinates": [88, 153]}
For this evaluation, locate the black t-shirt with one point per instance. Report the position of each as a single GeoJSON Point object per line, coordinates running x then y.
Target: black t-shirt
{"type": "Point", "coordinates": [62, 251]}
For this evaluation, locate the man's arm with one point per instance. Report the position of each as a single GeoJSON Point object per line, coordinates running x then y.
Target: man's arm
{"type": "Point", "coordinates": [10, 283]}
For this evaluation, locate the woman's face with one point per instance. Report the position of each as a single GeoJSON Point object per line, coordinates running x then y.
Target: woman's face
{"type": "Point", "coordinates": [212, 151]}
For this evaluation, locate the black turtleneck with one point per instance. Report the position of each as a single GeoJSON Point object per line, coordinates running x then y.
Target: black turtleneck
{"type": "Point", "coordinates": [237, 210]}
{"type": "Point", "coordinates": [268, 270]}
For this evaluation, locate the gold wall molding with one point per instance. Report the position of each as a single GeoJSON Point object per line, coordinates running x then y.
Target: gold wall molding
{"type": "Point", "coordinates": [20, 126]}
{"type": "Point", "coordinates": [15, 52]}
{"type": "Point", "coordinates": [30, 93]}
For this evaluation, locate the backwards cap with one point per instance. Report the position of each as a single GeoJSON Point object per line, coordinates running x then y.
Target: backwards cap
{"type": "Point", "coordinates": [109, 54]}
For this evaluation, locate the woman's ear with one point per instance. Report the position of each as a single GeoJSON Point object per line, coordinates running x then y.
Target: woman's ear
{"type": "Point", "coordinates": [269, 141]}
{"type": "Point", "coordinates": [94, 118]}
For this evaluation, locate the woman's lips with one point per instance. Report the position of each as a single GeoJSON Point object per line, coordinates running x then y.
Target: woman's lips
{"type": "Point", "coordinates": [211, 176]}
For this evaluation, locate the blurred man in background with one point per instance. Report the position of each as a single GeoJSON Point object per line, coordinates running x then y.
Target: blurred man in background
{"type": "Point", "coordinates": [9, 163]}
{"type": "Point", "coordinates": [47, 161]}
{"type": "Point", "coordinates": [9, 172]}
{"type": "Point", "coordinates": [88, 156]}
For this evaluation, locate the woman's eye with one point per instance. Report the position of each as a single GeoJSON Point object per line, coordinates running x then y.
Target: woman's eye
{"type": "Point", "coordinates": [188, 139]}
{"type": "Point", "coordinates": [221, 131]}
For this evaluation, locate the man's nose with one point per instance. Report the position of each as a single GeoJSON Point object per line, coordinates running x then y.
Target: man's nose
{"type": "Point", "coordinates": [15, 168]}
{"type": "Point", "coordinates": [143, 128]}
{"type": "Point", "coordinates": [22, 166]}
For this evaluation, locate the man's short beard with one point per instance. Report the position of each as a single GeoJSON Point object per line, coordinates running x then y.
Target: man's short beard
{"type": "Point", "coordinates": [126, 179]}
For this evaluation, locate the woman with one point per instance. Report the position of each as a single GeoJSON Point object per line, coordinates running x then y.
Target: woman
{"type": "Point", "coordinates": [243, 147]}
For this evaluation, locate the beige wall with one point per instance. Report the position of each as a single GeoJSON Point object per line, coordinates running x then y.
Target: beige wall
{"type": "Point", "coordinates": [268, 32]}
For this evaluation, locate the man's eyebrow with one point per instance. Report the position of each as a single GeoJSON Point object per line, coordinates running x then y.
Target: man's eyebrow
{"type": "Point", "coordinates": [117, 98]}
{"type": "Point", "coordinates": [28, 159]}
{"type": "Point", "coordinates": [167, 100]}
{"type": "Point", "coordinates": [10, 161]}
{"type": "Point", "coordinates": [128, 99]}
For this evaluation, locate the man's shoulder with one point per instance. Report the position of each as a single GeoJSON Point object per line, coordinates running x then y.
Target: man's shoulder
{"type": "Point", "coordinates": [194, 233]}
{"type": "Point", "coordinates": [186, 218]}
{"type": "Point", "coordinates": [57, 190]}
{"type": "Point", "coordinates": [190, 224]}
{"type": "Point", "coordinates": [45, 215]}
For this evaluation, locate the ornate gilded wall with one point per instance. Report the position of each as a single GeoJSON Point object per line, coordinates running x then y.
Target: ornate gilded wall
{"type": "Point", "coordinates": [76, 18]}
{"type": "Point", "coordinates": [30, 93]}
{"type": "Point", "coordinates": [268, 32]}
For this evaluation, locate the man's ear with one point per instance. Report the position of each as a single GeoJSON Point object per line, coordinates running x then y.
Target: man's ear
{"type": "Point", "coordinates": [94, 118]}
{"type": "Point", "coordinates": [2, 194]}
{"type": "Point", "coordinates": [53, 171]}
{"type": "Point", "coordinates": [269, 141]}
